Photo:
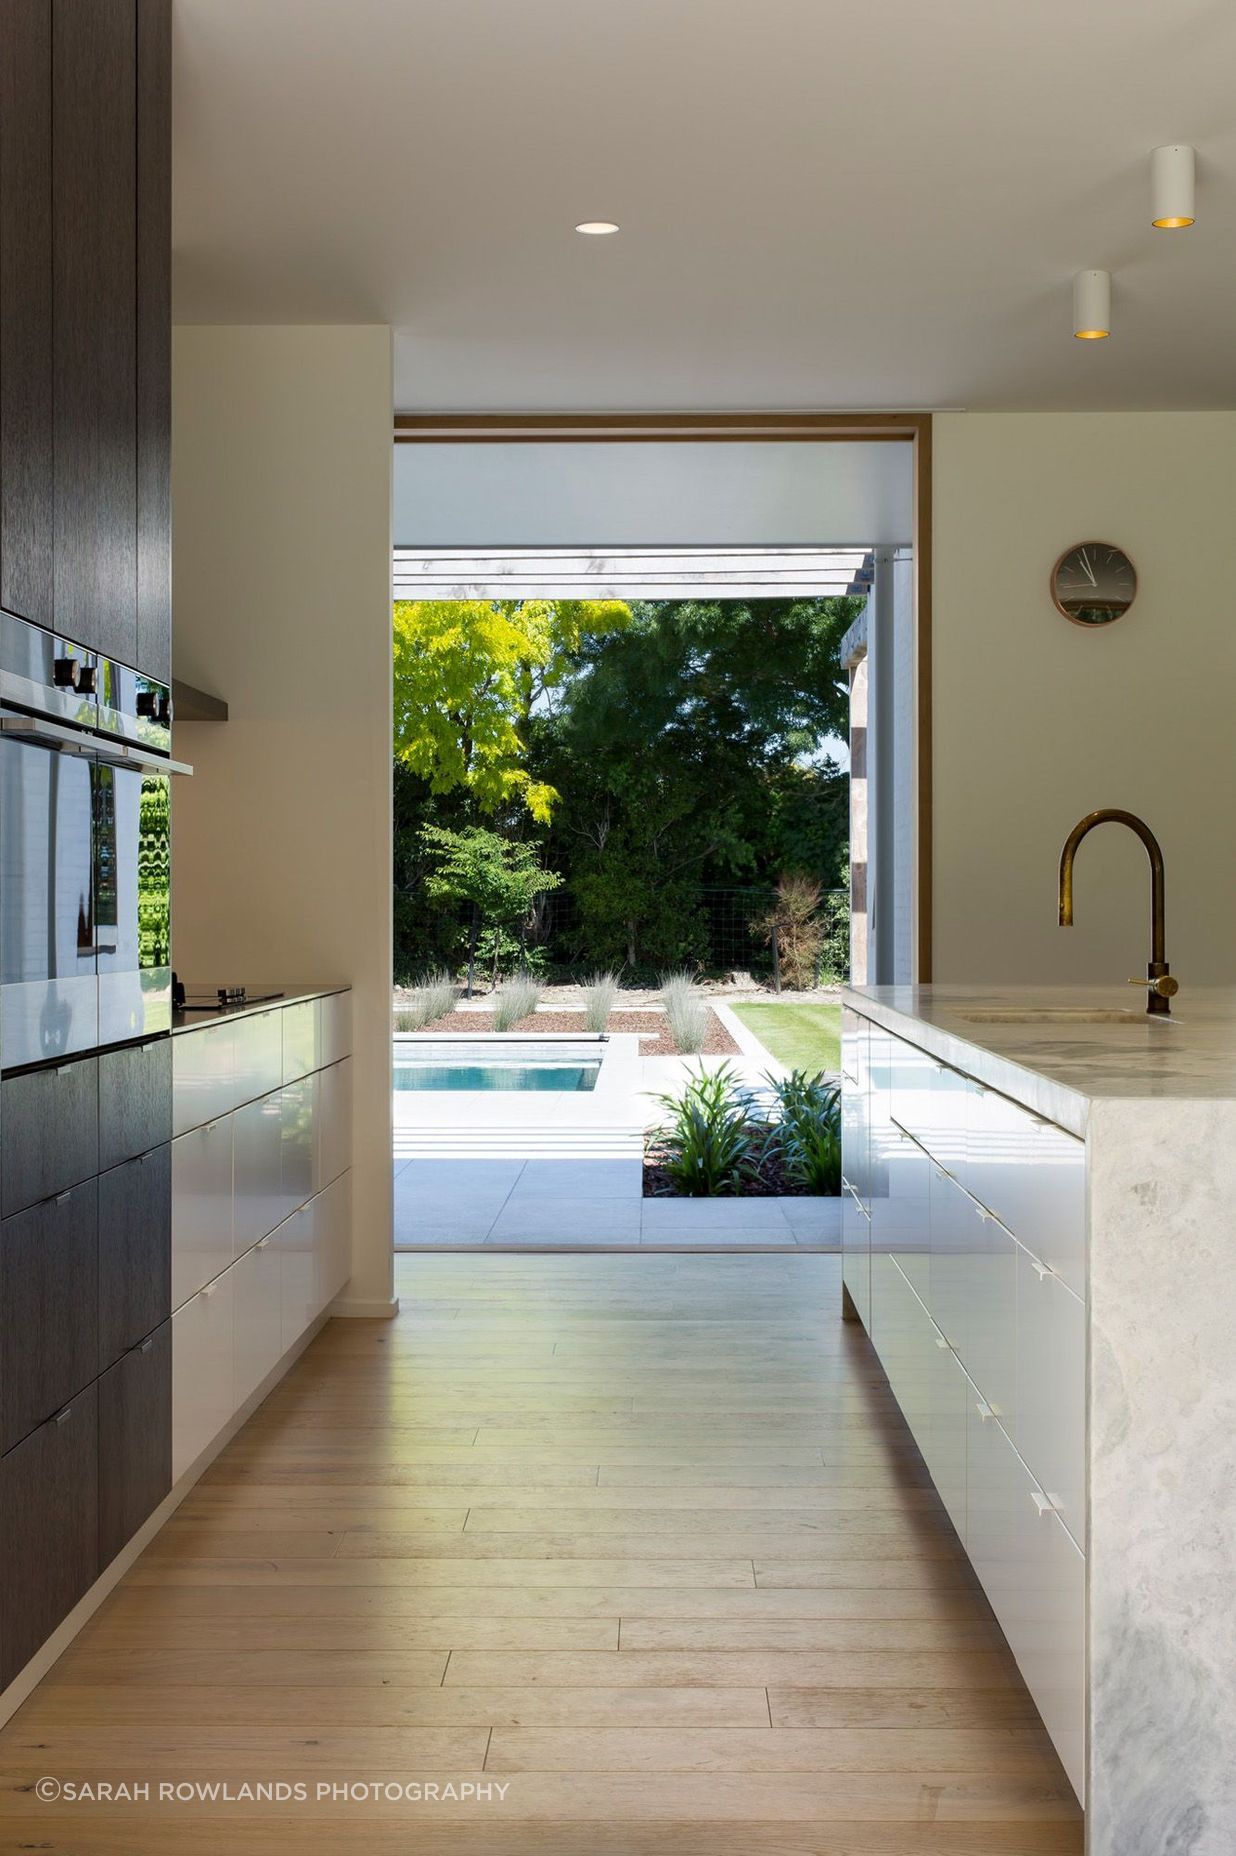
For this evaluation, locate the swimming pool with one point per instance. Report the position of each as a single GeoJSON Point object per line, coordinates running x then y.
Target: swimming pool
{"type": "Point", "coordinates": [423, 1064]}
{"type": "Point", "coordinates": [496, 1076]}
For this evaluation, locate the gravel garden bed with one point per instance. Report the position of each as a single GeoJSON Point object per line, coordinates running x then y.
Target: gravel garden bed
{"type": "Point", "coordinates": [650, 1025]}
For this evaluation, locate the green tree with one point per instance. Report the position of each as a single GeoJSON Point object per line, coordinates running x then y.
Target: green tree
{"type": "Point", "coordinates": [497, 878]}
{"type": "Point", "coordinates": [467, 676]}
{"type": "Point", "coordinates": [687, 752]}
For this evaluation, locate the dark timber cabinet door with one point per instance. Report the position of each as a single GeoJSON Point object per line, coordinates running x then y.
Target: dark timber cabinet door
{"type": "Point", "coordinates": [154, 338]}
{"type": "Point", "coordinates": [49, 1529]}
{"type": "Point", "coordinates": [49, 1308]}
{"type": "Point", "coordinates": [49, 1131]}
{"type": "Point", "coordinates": [25, 310]}
{"type": "Point", "coordinates": [135, 1100]}
{"type": "Point", "coordinates": [135, 1440]}
{"type": "Point", "coordinates": [135, 1252]}
{"type": "Point", "coordinates": [94, 292]}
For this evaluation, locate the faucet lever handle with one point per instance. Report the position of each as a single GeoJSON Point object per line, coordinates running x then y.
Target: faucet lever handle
{"type": "Point", "coordinates": [1165, 985]}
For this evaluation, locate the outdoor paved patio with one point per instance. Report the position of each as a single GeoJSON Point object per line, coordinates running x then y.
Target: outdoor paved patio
{"type": "Point", "coordinates": [546, 1171]}
{"type": "Point", "coordinates": [576, 1204]}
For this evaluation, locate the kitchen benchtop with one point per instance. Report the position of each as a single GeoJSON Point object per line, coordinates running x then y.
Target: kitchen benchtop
{"type": "Point", "coordinates": [288, 995]}
{"type": "Point", "coordinates": [1059, 1066]}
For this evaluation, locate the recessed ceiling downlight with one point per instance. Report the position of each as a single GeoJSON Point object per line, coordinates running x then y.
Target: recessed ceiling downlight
{"type": "Point", "coordinates": [1092, 305]}
{"type": "Point", "coordinates": [596, 228]}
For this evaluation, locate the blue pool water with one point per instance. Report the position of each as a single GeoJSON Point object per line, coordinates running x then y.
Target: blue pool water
{"type": "Point", "coordinates": [473, 1076]}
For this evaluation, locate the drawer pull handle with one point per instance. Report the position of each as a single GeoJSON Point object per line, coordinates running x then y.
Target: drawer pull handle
{"type": "Point", "coordinates": [208, 1291]}
{"type": "Point", "coordinates": [1041, 1269]}
{"type": "Point", "coordinates": [945, 1346]}
{"type": "Point", "coordinates": [144, 1346]}
{"type": "Point", "coordinates": [62, 1196]}
{"type": "Point", "coordinates": [62, 1417]}
{"type": "Point", "coordinates": [984, 1410]}
{"type": "Point", "coordinates": [262, 1243]}
{"type": "Point", "coordinates": [1043, 1503]}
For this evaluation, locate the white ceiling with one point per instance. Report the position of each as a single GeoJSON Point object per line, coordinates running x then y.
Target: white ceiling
{"type": "Point", "coordinates": [824, 203]}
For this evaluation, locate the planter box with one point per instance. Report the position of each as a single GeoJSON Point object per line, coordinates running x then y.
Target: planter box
{"type": "Point", "coordinates": [814, 1222]}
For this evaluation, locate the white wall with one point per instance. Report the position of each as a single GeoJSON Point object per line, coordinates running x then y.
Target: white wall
{"type": "Point", "coordinates": [281, 477]}
{"type": "Point", "coordinates": [850, 494]}
{"type": "Point", "coordinates": [1037, 721]}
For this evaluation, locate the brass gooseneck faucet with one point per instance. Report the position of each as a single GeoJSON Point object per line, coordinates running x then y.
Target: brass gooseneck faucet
{"type": "Point", "coordinates": [1161, 986]}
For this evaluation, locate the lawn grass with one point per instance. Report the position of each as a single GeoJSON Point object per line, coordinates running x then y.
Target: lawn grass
{"type": "Point", "coordinates": [802, 1037]}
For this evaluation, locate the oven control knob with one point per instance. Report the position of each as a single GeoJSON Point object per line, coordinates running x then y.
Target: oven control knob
{"type": "Point", "coordinates": [86, 680]}
{"type": "Point", "coordinates": [64, 673]}
{"type": "Point", "coordinates": [147, 705]}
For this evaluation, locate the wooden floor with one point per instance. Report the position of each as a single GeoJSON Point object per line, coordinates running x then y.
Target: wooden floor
{"type": "Point", "coordinates": [639, 1538]}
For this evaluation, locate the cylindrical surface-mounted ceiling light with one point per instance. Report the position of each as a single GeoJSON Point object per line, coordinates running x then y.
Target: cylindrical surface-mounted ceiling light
{"type": "Point", "coordinates": [1172, 181]}
{"type": "Point", "coordinates": [1092, 305]}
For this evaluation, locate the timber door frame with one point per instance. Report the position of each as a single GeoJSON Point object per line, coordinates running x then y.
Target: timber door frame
{"type": "Point", "coordinates": [913, 428]}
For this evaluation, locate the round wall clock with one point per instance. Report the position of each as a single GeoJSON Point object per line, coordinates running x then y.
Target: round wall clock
{"type": "Point", "coordinates": [1093, 583]}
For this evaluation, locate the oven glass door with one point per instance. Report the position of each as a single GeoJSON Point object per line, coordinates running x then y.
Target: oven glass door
{"type": "Point", "coordinates": [48, 980]}
{"type": "Point", "coordinates": [132, 890]}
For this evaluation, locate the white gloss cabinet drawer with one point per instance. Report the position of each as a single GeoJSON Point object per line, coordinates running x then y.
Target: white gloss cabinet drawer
{"type": "Point", "coordinates": [202, 1235]}
{"type": "Point", "coordinates": [973, 1294]}
{"type": "Point", "coordinates": [297, 1273]}
{"type": "Point", "coordinates": [1049, 1416]}
{"type": "Point", "coordinates": [259, 1055]}
{"type": "Point", "coordinates": [334, 1027]}
{"type": "Point", "coordinates": [333, 1150]}
{"type": "Point", "coordinates": [202, 1354]}
{"type": "Point", "coordinates": [855, 1134]}
{"type": "Point", "coordinates": [1032, 1175]}
{"type": "Point", "coordinates": [257, 1144]}
{"type": "Point", "coordinates": [258, 1318]}
{"type": "Point", "coordinates": [332, 1241]}
{"type": "Point", "coordinates": [1035, 1579]}
{"type": "Point", "coordinates": [203, 1075]}
{"type": "Point", "coordinates": [301, 1025]}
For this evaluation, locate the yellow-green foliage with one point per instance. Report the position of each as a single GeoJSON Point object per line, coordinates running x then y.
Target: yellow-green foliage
{"type": "Point", "coordinates": [467, 673]}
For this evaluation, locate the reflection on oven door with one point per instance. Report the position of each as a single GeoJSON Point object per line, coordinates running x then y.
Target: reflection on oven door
{"type": "Point", "coordinates": [48, 985]}
{"type": "Point", "coordinates": [132, 887]}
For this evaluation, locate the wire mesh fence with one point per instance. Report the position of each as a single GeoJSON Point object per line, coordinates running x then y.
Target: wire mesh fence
{"type": "Point", "coordinates": [713, 931]}
{"type": "Point", "coordinates": [737, 933]}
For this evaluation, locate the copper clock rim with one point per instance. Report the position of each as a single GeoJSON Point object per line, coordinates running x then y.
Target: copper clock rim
{"type": "Point", "coordinates": [1085, 625]}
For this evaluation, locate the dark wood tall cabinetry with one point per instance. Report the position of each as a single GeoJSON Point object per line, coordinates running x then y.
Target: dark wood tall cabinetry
{"type": "Point", "coordinates": [85, 552]}
{"type": "Point", "coordinates": [85, 328]}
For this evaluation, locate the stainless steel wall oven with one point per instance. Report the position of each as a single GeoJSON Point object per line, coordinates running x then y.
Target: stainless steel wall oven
{"type": "Point", "coordinates": [85, 760]}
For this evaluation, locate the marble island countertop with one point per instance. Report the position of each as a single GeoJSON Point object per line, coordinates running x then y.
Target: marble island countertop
{"type": "Point", "coordinates": [1056, 1060]}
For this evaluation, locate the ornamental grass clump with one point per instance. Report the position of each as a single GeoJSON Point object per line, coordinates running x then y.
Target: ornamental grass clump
{"type": "Point", "coordinates": [438, 992]}
{"type": "Point", "coordinates": [707, 1146]}
{"type": "Point", "coordinates": [599, 996]}
{"type": "Point", "coordinates": [515, 999]}
{"type": "Point", "coordinates": [433, 997]}
{"type": "Point", "coordinates": [686, 1014]}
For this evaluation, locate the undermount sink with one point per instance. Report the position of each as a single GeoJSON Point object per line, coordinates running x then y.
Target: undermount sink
{"type": "Point", "coordinates": [1059, 1015]}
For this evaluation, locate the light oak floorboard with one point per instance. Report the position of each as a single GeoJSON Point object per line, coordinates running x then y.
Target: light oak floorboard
{"type": "Point", "coordinates": [678, 1606]}
{"type": "Point", "coordinates": [374, 1704]}
{"type": "Point", "coordinates": [1007, 1751]}
{"type": "Point", "coordinates": [641, 1539]}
